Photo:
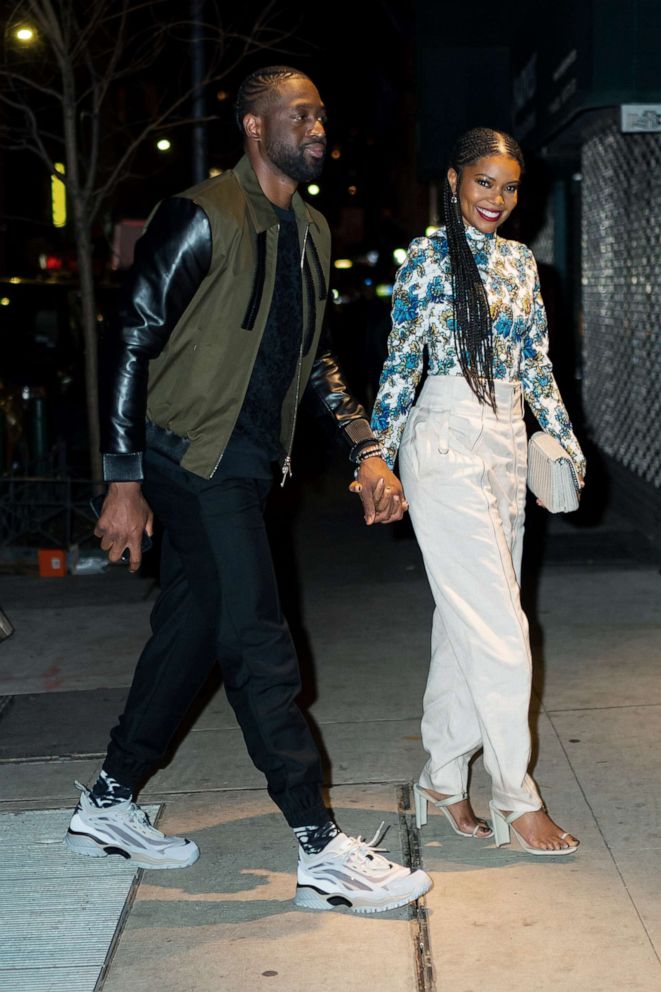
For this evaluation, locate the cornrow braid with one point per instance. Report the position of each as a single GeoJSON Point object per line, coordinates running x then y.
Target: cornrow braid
{"type": "Point", "coordinates": [259, 88]}
{"type": "Point", "coordinates": [473, 331]}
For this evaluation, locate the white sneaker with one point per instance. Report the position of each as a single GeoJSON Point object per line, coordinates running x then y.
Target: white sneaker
{"type": "Point", "coordinates": [350, 872]}
{"type": "Point", "coordinates": [124, 829]}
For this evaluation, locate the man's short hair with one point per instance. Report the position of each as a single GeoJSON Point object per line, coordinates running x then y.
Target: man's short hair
{"type": "Point", "coordinates": [259, 88]}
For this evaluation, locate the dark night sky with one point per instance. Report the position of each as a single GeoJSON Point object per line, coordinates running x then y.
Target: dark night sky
{"type": "Point", "coordinates": [363, 57]}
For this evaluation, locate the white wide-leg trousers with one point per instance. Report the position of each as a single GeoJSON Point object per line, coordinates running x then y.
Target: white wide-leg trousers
{"type": "Point", "coordinates": [464, 474]}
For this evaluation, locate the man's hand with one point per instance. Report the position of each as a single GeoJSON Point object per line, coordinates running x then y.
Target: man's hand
{"type": "Point", "coordinates": [124, 517]}
{"type": "Point", "coordinates": [380, 491]}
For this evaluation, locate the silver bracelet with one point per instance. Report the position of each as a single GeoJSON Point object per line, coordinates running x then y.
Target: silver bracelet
{"type": "Point", "coordinates": [374, 452]}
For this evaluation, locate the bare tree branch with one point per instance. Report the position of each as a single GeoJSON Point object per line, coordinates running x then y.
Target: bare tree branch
{"type": "Point", "coordinates": [11, 77]}
{"type": "Point", "coordinates": [59, 103]}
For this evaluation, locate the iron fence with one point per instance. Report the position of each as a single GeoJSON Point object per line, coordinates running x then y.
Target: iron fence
{"type": "Point", "coordinates": [46, 512]}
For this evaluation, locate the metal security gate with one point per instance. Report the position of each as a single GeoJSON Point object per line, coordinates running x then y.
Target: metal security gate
{"type": "Point", "coordinates": [621, 294]}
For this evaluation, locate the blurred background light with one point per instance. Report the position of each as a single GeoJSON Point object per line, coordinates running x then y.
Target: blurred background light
{"type": "Point", "coordinates": [58, 197]}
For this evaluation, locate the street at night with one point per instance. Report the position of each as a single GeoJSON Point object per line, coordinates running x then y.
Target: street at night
{"type": "Point", "coordinates": [282, 609]}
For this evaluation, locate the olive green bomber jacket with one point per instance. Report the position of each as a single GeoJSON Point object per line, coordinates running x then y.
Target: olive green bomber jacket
{"type": "Point", "coordinates": [197, 371]}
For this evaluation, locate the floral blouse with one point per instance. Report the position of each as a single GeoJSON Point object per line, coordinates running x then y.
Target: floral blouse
{"type": "Point", "coordinates": [422, 315]}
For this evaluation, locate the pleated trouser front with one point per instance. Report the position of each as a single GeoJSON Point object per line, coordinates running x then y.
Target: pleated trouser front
{"type": "Point", "coordinates": [464, 473]}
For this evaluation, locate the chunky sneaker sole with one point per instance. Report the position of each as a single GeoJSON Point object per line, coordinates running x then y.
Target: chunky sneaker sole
{"type": "Point", "coordinates": [351, 874]}
{"type": "Point", "coordinates": [312, 897]}
{"type": "Point", "coordinates": [124, 829]}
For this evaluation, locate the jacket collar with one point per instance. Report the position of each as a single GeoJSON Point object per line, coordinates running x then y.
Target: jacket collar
{"type": "Point", "coordinates": [261, 212]}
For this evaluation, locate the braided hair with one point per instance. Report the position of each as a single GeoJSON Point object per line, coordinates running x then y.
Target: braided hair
{"type": "Point", "coordinates": [259, 88]}
{"type": "Point", "coordinates": [473, 332]}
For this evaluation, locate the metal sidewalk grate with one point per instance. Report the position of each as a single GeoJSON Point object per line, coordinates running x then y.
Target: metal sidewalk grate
{"type": "Point", "coordinates": [59, 913]}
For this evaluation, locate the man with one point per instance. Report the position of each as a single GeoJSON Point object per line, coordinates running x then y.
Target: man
{"type": "Point", "coordinates": [219, 340]}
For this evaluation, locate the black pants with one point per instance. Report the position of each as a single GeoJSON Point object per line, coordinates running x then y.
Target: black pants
{"type": "Point", "coordinates": [218, 603]}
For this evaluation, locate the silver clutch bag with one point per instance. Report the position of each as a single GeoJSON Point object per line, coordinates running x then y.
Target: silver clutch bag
{"type": "Point", "coordinates": [551, 474]}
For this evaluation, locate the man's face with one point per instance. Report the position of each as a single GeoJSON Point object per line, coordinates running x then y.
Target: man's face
{"type": "Point", "coordinates": [293, 130]}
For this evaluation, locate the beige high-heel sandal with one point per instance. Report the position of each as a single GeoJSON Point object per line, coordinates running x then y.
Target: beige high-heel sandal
{"type": "Point", "coordinates": [502, 825]}
{"type": "Point", "coordinates": [422, 798]}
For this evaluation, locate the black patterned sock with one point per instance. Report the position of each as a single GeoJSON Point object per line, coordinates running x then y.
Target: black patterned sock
{"type": "Point", "coordinates": [108, 791]}
{"type": "Point", "coordinates": [314, 839]}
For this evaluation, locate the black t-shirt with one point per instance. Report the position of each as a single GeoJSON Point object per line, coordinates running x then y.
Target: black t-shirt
{"type": "Point", "coordinates": [255, 442]}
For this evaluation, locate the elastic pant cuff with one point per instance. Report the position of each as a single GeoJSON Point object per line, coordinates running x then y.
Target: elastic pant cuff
{"type": "Point", "coordinates": [302, 806]}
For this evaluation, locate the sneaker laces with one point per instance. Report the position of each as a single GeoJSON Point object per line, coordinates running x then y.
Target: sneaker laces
{"type": "Point", "coordinates": [139, 819]}
{"type": "Point", "coordinates": [365, 854]}
{"type": "Point", "coordinates": [135, 814]}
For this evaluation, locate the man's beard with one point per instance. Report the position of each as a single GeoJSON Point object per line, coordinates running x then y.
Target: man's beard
{"type": "Point", "coordinates": [293, 162]}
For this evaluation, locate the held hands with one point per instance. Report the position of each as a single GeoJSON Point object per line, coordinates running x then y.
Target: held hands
{"type": "Point", "coordinates": [124, 517]}
{"type": "Point", "coordinates": [380, 491]}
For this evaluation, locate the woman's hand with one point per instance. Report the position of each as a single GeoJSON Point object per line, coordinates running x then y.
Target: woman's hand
{"type": "Point", "coordinates": [581, 485]}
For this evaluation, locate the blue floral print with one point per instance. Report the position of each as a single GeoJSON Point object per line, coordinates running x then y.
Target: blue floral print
{"type": "Point", "coordinates": [422, 317]}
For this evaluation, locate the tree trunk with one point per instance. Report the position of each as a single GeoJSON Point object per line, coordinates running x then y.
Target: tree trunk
{"type": "Point", "coordinates": [90, 335]}
{"type": "Point", "coordinates": [82, 228]}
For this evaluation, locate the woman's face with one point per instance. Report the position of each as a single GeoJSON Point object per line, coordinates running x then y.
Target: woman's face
{"type": "Point", "coordinates": [488, 191]}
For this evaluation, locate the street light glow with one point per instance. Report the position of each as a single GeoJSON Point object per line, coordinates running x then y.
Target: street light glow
{"type": "Point", "coordinates": [164, 144]}
{"type": "Point", "coordinates": [24, 34]}
{"type": "Point", "coordinates": [399, 255]}
{"type": "Point", "coordinates": [314, 190]}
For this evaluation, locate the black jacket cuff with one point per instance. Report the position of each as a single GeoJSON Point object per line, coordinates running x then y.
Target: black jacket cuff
{"type": "Point", "coordinates": [123, 468]}
{"type": "Point", "coordinates": [359, 433]}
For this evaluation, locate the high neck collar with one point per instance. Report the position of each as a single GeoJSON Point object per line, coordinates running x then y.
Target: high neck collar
{"type": "Point", "coordinates": [478, 238]}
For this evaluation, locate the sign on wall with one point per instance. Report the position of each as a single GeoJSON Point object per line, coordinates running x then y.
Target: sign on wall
{"type": "Point", "coordinates": [593, 54]}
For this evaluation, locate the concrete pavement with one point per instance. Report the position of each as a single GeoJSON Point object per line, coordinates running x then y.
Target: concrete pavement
{"type": "Point", "coordinates": [360, 609]}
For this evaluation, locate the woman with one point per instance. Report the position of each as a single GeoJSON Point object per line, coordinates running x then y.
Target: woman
{"type": "Point", "coordinates": [473, 300]}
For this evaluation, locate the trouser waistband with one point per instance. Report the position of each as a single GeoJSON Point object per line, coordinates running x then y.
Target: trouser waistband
{"type": "Point", "coordinates": [444, 392]}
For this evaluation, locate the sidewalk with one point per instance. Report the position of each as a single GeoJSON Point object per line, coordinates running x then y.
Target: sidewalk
{"type": "Point", "coordinates": [360, 609]}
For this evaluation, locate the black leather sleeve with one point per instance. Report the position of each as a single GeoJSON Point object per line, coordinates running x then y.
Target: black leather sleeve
{"type": "Point", "coordinates": [327, 393]}
{"type": "Point", "coordinates": [171, 259]}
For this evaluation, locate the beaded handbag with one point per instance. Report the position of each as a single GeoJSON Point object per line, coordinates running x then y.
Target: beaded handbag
{"type": "Point", "coordinates": [551, 474]}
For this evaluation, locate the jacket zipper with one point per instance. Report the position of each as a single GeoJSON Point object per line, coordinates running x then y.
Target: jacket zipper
{"type": "Point", "coordinates": [286, 465]}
